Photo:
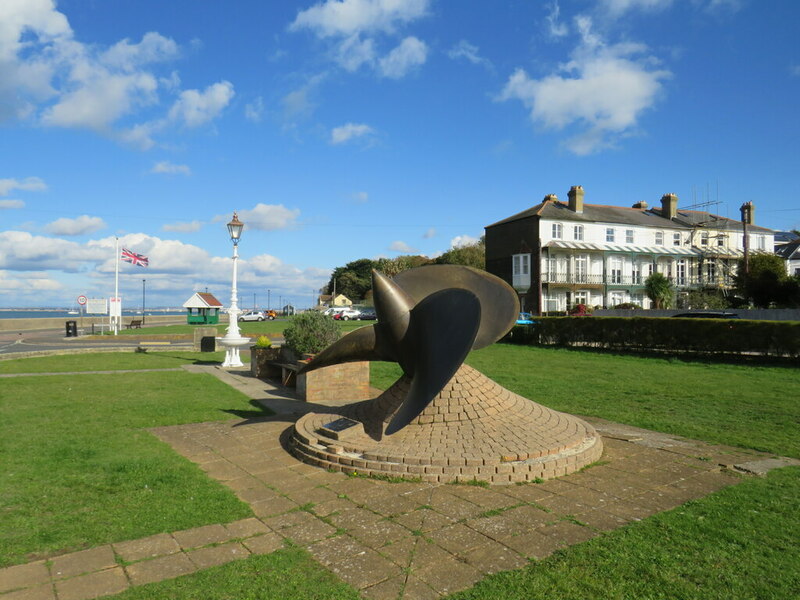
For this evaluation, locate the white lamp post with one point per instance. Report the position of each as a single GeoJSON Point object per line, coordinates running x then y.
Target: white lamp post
{"type": "Point", "coordinates": [233, 339]}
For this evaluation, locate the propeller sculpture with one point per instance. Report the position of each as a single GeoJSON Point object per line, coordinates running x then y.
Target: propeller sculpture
{"type": "Point", "coordinates": [429, 319]}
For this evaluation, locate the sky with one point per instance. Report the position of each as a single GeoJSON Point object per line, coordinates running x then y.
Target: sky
{"type": "Point", "coordinates": [347, 129]}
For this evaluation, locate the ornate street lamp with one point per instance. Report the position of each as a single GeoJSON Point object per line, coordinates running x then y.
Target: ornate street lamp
{"type": "Point", "coordinates": [233, 339]}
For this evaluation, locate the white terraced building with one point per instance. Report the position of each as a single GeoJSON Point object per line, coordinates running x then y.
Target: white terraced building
{"type": "Point", "coordinates": [560, 254]}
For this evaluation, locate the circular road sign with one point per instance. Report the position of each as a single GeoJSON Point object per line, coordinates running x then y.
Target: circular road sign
{"type": "Point", "coordinates": [81, 300]}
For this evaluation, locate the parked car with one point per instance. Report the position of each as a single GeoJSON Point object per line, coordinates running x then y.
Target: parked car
{"type": "Point", "coordinates": [709, 314]}
{"type": "Point", "coordinates": [270, 314]}
{"type": "Point", "coordinates": [252, 315]}
{"type": "Point", "coordinates": [368, 314]}
{"type": "Point", "coordinates": [347, 314]}
{"type": "Point", "coordinates": [525, 318]}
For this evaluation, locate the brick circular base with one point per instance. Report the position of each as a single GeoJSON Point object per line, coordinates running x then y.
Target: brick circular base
{"type": "Point", "coordinates": [474, 429]}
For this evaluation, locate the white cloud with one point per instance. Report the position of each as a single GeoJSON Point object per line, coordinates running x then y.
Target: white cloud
{"type": "Point", "coordinates": [349, 131]}
{"type": "Point", "coordinates": [21, 283]}
{"type": "Point", "coordinates": [29, 184]}
{"type": "Point", "coordinates": [253, 110]}
{"type": "Point", "coordinates": [353, 52]}
{"type": "Point", "coordinates": [266, 217]}
{"type": "Point", "coordinates": [22, 251]}
{"type": "Point", "coordinates": [619, 7]}
{"type": "Point", "coordinates": [429, 234]}
{"type": "Point", "coordinates": [400, 246]}
{"type": "Point", "coordinates": [795, 70]}
{"type": "Point", "coordinates": [195, 108]}
{"type": "Point", "coordinates": [79, 226]}
{"type": "Point", "coordinates": [50, 78]}
{"type": "Point", "coordinates": [170, 169]}
{"type": "Point", "coordinates": [6, 204]}
{"type": "Point", "coordinates": [361, 197]}
{"type": "Point", "coordinates": [183, 227]}
{"type": "Point", "coordinates": [298, 103]}
{"type": "Point", "coordinates": [410, 53]}
{"type": "Point", "coordinates": [555, 28]}
{"type": "Point", "coordinates": [602, 91]}
{"type": "Point", "coordinates": [346, 17]}
{"type": "Point", "coordinates": [463, 49]}
{"type": "Point", "coordinates": [463, 240]}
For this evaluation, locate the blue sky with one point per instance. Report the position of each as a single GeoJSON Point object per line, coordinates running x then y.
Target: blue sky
{"type": "Point", "coordinates": [345, 129]}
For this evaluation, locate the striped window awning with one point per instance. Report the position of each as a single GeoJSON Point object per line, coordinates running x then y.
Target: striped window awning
{"type": "Point", "coordinates": [657, 250]}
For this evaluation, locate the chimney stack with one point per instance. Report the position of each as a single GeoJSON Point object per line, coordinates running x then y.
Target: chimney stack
{"type": "Point", "coordinates": [550, 198]}
{"type": "Point", "coordinates": [748, 211]}
{"type": "Point", "coordinates": [641, 204]}
{"type": "Point", "coordinates": [576, 198]}
{"type": "Point", "coordinates": [669, 206]}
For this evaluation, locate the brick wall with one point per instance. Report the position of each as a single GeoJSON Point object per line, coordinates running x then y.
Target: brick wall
{"type": "Point", "coordinates": [347, 381]}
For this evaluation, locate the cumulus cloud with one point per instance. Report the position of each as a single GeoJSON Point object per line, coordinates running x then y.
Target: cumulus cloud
{"type": "Point", "coordinates": [602, 91]}
{"type": "Point", "coordinates": [183, 227]}
{"type": "Point", "coordinates": [29, 184]}
{"type": "Point", "coordinates": [22, 283]}
{"type": "Point", "coordinates": [79, 226]}
{"type": "Point", "coordinates": [170, 169]}
{"type": "Point", "coordinates": [266, 217]}
{"type": "Point", "coordinates": [409, 54]}
{"type": "Point", "coordinates": [346, 17]}
{"type": "Point", "coordinates": [431, 232]}
{"type": "Point", "coordinates": [463, 240]}
{"type": "Point", "coordinates": [463, 49]}
{"type": "Point", "coordinates": [353, 26]}
{"type": "Point", "coordinates": [194, 108]}
{"type": "Point", "coordinates": [400, 246]}
{"type": "Point", "coordinates": [619, 7]}
{"type": "Point", "coordinates": [49, 77]}
{"type": "Point", "coordinates": [350, 131]}
{"type": "Point", "coordinates": [6, 204]}
{"type": "Point", "coordinates": [22, 251]}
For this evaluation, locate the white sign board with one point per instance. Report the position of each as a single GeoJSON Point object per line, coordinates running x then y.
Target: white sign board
{"type": "Point", "coordinates": [96, 306]}
{"type": "Point", "coordinates": [115, 309]}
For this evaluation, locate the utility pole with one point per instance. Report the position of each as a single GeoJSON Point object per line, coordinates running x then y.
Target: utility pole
{"type": "Point", "coordinates": [269, 303]}
{"type": "Point", "coordinates": [143, 280]}
{"type": "Point", "coordinates": [747, 219]}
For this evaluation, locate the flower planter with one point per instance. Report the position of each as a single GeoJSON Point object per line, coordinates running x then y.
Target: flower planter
{"type": "Point", "coordinates": [260, 362]}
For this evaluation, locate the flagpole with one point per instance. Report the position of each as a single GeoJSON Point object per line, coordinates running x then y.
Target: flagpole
{"type": "Point", "coordinates": [115, 319]}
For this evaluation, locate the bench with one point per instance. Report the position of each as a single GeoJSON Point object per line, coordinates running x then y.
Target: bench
{"type": "Point", "coordinates": [288, 372]}
{"type": "Point", "coordinates": [134, 324]}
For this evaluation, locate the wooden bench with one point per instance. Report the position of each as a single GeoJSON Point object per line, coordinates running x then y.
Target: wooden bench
{"type": "Point", "coordinates": [134, 324]}
{"type": "Point", "coordinates": [288, 372]}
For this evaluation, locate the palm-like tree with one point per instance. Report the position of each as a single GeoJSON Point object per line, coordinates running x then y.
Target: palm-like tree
{"type": "Point", "coordinates": [659, 289]}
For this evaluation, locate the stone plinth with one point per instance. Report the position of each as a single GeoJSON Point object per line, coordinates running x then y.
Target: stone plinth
{"type": "Point", "coordinates": [473, 430]}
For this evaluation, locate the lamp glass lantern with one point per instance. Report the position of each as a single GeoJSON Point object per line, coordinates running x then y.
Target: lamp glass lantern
{"type": "Point", "coordinates": [235, 229]}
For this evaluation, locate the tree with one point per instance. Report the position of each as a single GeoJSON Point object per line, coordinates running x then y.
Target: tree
{"type": "Point", "coordinates": [708, 299]}
{"type": "Point", "coordinates": [470, 255]}
{"type": "Point", "coordinates": [392, 266]}
{"type": "Point", "coordinates": [659, 289]}
{"type": "Point", "coordinates": [766, 283]}
{"type": "Point", "coordinates": [353, 280]}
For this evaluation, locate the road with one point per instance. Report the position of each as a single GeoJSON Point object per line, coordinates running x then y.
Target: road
{"type": "Point", "coordinates": [21, 342]}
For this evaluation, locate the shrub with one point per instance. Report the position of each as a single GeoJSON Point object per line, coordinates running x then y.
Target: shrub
{"type": "Point", "coordinates": [263, 342]}
{"type": "Point", "coordinates": [311, 332]}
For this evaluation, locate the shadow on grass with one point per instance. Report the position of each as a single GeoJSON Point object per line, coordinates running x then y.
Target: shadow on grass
{"type": "Point", "coordinates": [260, 413]}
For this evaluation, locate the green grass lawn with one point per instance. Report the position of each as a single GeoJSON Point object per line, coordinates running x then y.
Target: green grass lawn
{"type": "Point", "coordinates": [80, 468]}
{"type": "Point", "coordinates": [109, 361]}
{"type": "Point", "coordinates": [246, 327]}
{"type": "Point", "coordinates": [737, 543]}
{"type": "Point", "coordinates": [747, 406]}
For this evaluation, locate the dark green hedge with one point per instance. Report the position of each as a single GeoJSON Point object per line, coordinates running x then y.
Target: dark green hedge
{"type": "Point", "coordinates": [705, 336]}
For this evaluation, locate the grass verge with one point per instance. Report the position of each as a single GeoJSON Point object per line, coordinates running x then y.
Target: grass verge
{"type": "Point", "coordinates": [107, 361]}
{"type": "Point", "coordinates": [81, 470]}
{"type": "Point", "coordinates": [737, 543]}
{"type": "Point", "coordinates": [739, 405]}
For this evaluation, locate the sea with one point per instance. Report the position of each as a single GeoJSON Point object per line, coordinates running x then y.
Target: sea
{"type": "Point", "coordinates": [66, 313]}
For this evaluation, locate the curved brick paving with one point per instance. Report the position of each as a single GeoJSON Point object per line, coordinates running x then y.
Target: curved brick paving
{"type": "Point", "coordinates": [474, 429]}
{"type": "Point", "coordinates": [404, 540]}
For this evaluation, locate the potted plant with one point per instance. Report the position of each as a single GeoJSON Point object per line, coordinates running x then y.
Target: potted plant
{"type": "Point", "coordinates": [309, 333]}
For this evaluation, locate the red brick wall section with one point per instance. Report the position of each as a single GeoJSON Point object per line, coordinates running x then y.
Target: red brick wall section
{"type": "Point", "coordinates": [347, 381]}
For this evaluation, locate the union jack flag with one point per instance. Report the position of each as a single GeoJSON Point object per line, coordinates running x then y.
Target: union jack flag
{"type": "Point", "coordinates": [136, 259]}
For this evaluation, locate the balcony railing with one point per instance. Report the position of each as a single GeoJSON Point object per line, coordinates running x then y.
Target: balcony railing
{"type": "Point", "coordinates": [635, 280]}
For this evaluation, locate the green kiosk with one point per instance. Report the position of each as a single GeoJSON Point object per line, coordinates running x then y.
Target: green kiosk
{"type": "Point", "coordinates": [202, 309]}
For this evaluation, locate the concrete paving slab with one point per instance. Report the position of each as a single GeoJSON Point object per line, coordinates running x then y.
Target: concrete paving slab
{"type": "Point", "coordinates": [93, 585]}
{"type": "Point", "coordinates": [22, 576]}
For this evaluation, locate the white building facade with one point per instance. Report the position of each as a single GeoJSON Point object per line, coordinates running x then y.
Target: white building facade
{"type": "Point", "coordinates": [563, 254]}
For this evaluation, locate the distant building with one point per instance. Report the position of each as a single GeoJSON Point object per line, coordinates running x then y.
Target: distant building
{"type": "Point", "coordinates": [203, 309]}
{"type": "Point", "coordinates": [790, 252]}
{"type": "Point", "coordinates": [328, 300]}
{"type": "Point", "coordinates": [560, 254]}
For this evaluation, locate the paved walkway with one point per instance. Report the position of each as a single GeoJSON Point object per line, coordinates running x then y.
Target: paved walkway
{"type": "Point", "coordinates": [388, 540]}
